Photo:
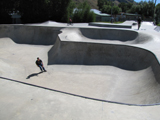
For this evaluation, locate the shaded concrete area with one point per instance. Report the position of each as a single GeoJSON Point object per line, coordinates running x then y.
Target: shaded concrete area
{"type": "Point", "coordinates": [110, 25]}
{"type": "Point", "coordinates": [33, 75]}
{"type": "Point", "coordinates": [27, 34]}
{"type": "Point", "coordinates": [121, 56]}
{"type": "Point", "coordinates": [102, 70]}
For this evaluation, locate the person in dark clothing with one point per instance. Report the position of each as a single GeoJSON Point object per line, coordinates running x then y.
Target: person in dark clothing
{"type": "Point", "coordinates": [70, 21]}
{"type": "Point", "coordinates": [39, 63]}
{"type": "Point", "coordinates": [139, 22]}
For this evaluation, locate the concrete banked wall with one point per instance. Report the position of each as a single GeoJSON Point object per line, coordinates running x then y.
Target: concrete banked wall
{"type": "Point", "coordinates": [109, 34]}
{"type": "Point", "coordinates": [114, 34]}
{"type": "Point", "coordinates": [121, 56]}
{"type": "Point", "coordinates": [88, 53]}
{"type": "Point", "coordinates": [25, 34]}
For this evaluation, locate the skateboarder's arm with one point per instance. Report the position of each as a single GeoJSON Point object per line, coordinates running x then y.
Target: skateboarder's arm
{"type": "Point", "coordinates": [42, 64]}
{"type": "Point", "coordinates": [36, 64]}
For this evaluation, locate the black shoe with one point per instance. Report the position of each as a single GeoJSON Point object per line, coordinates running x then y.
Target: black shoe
{"type": "Point", "coordinates": [45, 70]}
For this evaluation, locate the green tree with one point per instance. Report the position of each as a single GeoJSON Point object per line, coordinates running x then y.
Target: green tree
{"type": "Point", "coordinates": [115, 10]}
{"type": "Point", "coordinates": [106, 9]}
{"type": "Point", "coordinates": [101, 3]}
{"type": "Point", "coordinates": [83, 13]}
{"type": "Point", "coordinates": [6, 7]}
{"type": "Point", "coordinates": [129, 5]}
{"type": "Point", "coordinates": [157, 11]}
{"type": "Point", "coordinates": [69, 11]}
{"type": "Point", "coordinates": [33, 11]}
{"type": "Point", "coordinates": [147, 9]}
{"type": "Point", "coordinates": [143, 8]}
{"type": "Point", "coordinates": [60, 10]}
{"type": "Point", "coordinates": [132, 9]}
{"type": "Point", "coordinates": [123, 6]}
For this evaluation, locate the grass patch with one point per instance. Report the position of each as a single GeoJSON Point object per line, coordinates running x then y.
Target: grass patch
{"type": "Point", "coordinates": [113, 22]}
{"type": "Point", "coordinates": [158, 24]}
{"type": "Point", "coordinates": [118, 22]}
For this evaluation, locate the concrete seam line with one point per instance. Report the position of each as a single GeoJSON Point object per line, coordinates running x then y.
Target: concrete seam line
{"type": "Point", "coordinates": [95, 99]}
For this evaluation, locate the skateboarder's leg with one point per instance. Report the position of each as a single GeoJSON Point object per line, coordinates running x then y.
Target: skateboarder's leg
{"type": "Point", "coordinates": [40, 68]}
{"type": "Point", "coordinates": [44, 69]}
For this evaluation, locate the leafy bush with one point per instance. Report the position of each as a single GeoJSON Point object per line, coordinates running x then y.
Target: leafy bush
{"type": "Point", "coordinates": [83, 14]}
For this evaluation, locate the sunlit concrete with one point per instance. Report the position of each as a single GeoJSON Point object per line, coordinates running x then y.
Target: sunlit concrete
{"type": "Point", "coordinates": [92, 72]}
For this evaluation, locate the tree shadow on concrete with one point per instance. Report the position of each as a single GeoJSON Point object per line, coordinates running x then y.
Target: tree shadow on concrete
{"type": "Point", "coordinates": [32, 75]}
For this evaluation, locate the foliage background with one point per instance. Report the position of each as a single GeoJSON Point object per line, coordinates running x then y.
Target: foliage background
{"type": "Point", "coordinates": [35, 11]}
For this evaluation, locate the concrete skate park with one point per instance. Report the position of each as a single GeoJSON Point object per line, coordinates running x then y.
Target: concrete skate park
{"type": "Point", "coordinates": [94, 71]}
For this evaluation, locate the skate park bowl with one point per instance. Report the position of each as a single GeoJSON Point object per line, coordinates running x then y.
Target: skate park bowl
{"type": "Point", "coordinates": [114, 36]}
{"type": "Point", "coordinates": [132, 72]}
{"type": "Point", "coordinates": [77, 47]}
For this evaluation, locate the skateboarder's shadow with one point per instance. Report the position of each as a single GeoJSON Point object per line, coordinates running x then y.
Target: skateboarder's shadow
{"type": "Point", "coordinates": [34, 74]}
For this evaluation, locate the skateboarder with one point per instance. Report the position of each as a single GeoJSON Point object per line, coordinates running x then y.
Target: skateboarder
{"type": "Point", "coordinates": [70, 21]}
{"type": "Point", "coordinates": [139, 22]}
{"type": "Point", "coordinates": [39, 63]}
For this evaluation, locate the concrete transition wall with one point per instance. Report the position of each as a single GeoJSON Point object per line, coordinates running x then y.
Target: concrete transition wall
{"type": "Point", "coordinates": [110, 25]}
{"type": "Point", "coordinates": [109, 34]}
{"type": "Point", "coordinates": [24, 34]}
{"type": "Point", "coordinates": [121, 56]}
{"type": "Point", "coordinates": [115, 34]}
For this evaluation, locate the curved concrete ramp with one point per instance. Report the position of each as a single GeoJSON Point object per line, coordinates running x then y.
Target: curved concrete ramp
{"type": "Point", "coordinates": [104, 35]}
{"type": "Point", "coordinates": [109, 34]}
{"type": "Point", "coordinates": [132, 72]}
{"type": "Point", "coordinates": [77, 46]}
{"type": "Point", "coordinates": [81, 53]}
{"type": "Point", "coordinates": [25, 34]}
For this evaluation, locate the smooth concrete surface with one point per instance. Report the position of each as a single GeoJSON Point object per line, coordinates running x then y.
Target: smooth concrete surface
{"type": "Point", "coordinates": [110, 25]}
{"type": "Point", "coordinates": [22, 102]}
{"type": "Point", "coordinates": [106, 77]}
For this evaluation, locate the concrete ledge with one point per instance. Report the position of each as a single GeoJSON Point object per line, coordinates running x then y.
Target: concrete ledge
{"type": "Point", "coordinates": [110, 25]}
